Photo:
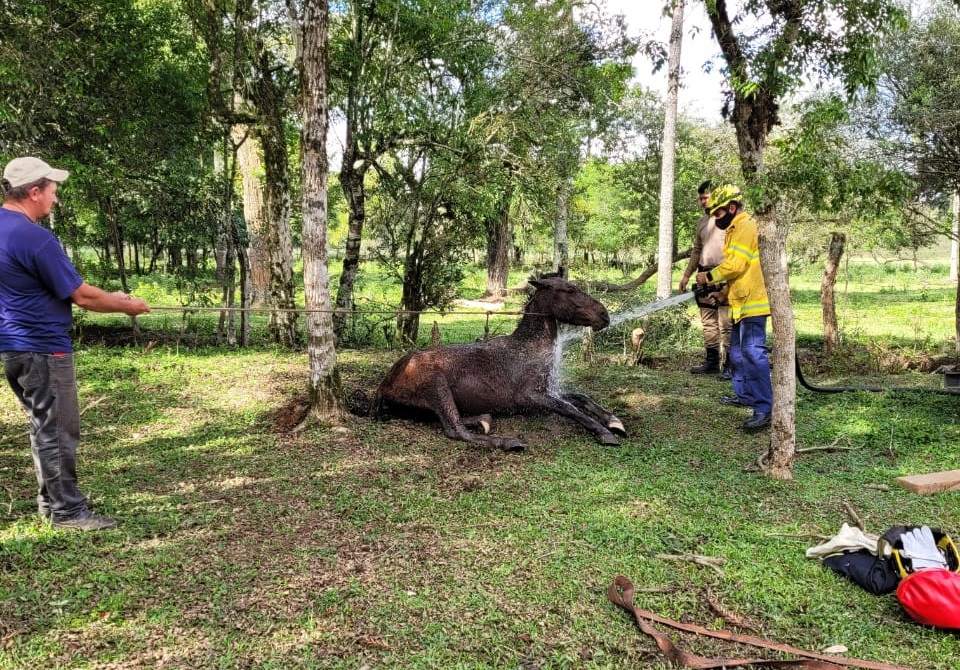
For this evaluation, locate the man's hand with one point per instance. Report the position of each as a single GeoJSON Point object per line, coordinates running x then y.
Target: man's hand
{"type": "Point", "coordinates": [701, 277]}
{"type": "Point", "coordinates": [136, 305]}
{"type": "Point", "coordinates": [97, 300]}
{"type": "Point", "coordinates": [716, 298]}
{"type": "Point", "coordinates": [683, 284]}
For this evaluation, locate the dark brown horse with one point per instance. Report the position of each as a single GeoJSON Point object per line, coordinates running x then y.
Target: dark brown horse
{"type": "Point", "coordinates": [464, 384]}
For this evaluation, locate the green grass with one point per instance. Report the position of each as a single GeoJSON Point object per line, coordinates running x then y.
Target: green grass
{"type": "Point", "coordinates": [387, 546]}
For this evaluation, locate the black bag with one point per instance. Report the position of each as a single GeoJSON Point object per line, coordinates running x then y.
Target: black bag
{"type": "Point", "coordinates": [875, 574]}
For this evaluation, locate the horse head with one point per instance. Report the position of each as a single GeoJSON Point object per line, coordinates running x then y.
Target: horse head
{"type": "Point", "coordinates": [567, 304]}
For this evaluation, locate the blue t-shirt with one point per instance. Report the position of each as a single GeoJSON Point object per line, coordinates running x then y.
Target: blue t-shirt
{"type": "Point", "coordinates": [36, 280]}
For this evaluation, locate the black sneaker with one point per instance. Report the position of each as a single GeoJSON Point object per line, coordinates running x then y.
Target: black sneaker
{"type": "Point", "coordinates": [89, 522]}
{"type": "Point", "coordinates": [732, 401]}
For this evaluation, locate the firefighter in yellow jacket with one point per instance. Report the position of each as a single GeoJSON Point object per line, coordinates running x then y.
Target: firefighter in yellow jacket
{"type": "Point", "coordinates": [749, 307]}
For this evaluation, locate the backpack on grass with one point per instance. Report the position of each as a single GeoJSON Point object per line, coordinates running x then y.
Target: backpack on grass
{"type": "Point", "coordinates": [908, 560]}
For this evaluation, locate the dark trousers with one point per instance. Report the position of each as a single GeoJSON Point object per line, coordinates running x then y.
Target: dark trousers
{"type": "Point", "coordinates": [750, 364]}
{"type": "Point", "coordinates": [46, 386]}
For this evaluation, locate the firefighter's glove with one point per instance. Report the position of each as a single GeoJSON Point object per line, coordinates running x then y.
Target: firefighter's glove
{"type": "Point", "coordinates": [920, 547]}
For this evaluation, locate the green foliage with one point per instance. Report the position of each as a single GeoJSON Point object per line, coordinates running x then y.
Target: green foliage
{"type": "Point", "coordinates": [113, 90]}
{"type": "Point", "coordinates": [829, 177]}
{"type": "Point", "coordinates": [616, 205]}
{"type": "Point", "coordinates": [920, 66]}
{"type": "Point", "coordinates": [782, 48]}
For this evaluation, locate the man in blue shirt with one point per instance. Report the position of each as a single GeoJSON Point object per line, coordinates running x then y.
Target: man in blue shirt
{"type": "Point", "coordinates": [38, 287]}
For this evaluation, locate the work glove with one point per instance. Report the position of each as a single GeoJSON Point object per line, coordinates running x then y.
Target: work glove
{"type": "Point", "coordinates": [920, 547]}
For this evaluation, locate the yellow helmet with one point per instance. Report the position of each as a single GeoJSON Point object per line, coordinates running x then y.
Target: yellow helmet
{"type": "Point", "coordinates": [723, 196]}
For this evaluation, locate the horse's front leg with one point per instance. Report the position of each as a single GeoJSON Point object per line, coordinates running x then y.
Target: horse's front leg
{"type": "Point", "coordinates": [588, 405]}
{"type": "Point", "coordinates": [568, 409]}
{"type": "Point", "coordinates": [454, 426]}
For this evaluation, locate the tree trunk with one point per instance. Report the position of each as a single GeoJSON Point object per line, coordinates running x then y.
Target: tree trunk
{"type": "Point", "coordinates": [137, 269]}
{"type": "Point", "coordinates": [561, 254]}
{"type": "Point", "coordinates": [498, 250]}
{"type": "Point", "coordinates": [110, 213]}
{"type": "Point", "coordinates": [411, 301]}
{"type": "Point", "coordinates": [665, 240]}
{"type": "Point", "coordinates": [174, 259]}
{"type": "Point", "coordinates": [954, 274]}
{"type": "Point", "coordinates": [226, 326]}
{"type": "Point", "coordinates": [326, 401]}
{"type": "Point", "coordinates": [831, 337]}
{"type": "Point", "coordinates": [773, 257]}
{"type": "Point", "coordinates": [226, 252]}
{"type": "Point", "coordinates": [351, 181]}
{"type": "Point", "coordinates": [244, 262]}
{"type": "Point", "coordinates": [955, 238]}
{"type": "Point", "coordinates": [956, 323]}
{"type": "Point", "coordinates": [279, 239]}
{"type": "Point", "coordinates": [254, 213]}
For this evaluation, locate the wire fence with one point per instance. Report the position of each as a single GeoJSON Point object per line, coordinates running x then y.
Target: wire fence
{"type": "Point", "coordinates": [217, 326]}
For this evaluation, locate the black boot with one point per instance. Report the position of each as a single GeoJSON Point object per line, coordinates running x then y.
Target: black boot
{"type": "Point", "coordinates": [711, 364]}
{"type": "Point", "coordinates": [725, 373]}
{"type": "Point", "coordinates": [756, 423]}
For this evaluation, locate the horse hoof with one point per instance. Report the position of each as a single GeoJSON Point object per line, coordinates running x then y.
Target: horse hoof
{"type": "Point", "coordinates": [609, 439]}
{"type": "Point", "coordinates": [486, 423]}
{"type": "Point", "coordinates": [616, 426]}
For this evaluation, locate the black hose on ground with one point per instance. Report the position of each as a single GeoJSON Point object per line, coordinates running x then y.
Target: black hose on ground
{"type": "Point", "coordinates": [842, 389]}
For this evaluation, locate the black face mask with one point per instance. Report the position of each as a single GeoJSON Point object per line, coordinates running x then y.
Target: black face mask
{"type": "Point", "coordinates": [724, 221]}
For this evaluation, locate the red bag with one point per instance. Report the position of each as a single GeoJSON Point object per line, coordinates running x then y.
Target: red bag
{"type": "Point", "coordinates": [932, 597]}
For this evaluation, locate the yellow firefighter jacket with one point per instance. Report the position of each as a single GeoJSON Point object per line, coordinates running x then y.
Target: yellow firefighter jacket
{"type": "Point", "coordinates": [746, 292]}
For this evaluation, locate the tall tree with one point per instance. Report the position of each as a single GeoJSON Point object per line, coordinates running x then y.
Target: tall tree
{"type": "Point", "coordinates": [370, 52]}
{"type": "Point", "coordinates": [251, 85]}
{"type": "Point", "coordinates": [312, 33]}
{"type": "Point", "coordinates": [832, 181]}
{"type": "Point", "coordinates": [665, 242]}
{"type": "Point", "coordinates": [765, 59]}
{"type": "Point", "coordinates": [561, 70]}
{"type": "Point", "coordinates": [919, 65]}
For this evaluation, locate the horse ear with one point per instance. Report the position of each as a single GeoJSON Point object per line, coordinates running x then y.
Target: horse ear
{"type": "Point", "coordinates": [536, 284]}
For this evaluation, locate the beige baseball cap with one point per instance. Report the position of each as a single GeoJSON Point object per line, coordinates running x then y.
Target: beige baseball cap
{"type": "Point", "coordinates": [27, 169]}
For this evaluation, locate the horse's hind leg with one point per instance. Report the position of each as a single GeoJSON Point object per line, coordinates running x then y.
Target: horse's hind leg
{"type": "Point", "coordinates": [588, 405]}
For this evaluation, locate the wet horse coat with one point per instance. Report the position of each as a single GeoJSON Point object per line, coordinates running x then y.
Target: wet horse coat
{"type": "Point", "coordinates": [464, 384]}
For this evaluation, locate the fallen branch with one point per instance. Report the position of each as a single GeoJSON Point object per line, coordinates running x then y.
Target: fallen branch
{"type": "Point", "coordinates": [829, 447]}
{"type": "Point", "coordinates": [8, 639]}
{"type": "Point", "coordinates": [761, 463]}
{"type": "Point", "coordinates": [644, 276]}
{"type": "Point", "coordinates": [708, 561]}
{"type": "Point", "coordinates": [93, 403]}
{"type": "Point", "coordinates": [857, 521]}
{"type": "Point", "coordinates": [802, 536]}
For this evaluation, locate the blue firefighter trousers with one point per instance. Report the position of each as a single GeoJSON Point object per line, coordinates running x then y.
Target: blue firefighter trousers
{"type": "Point", "coordinates": [750, 364]}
